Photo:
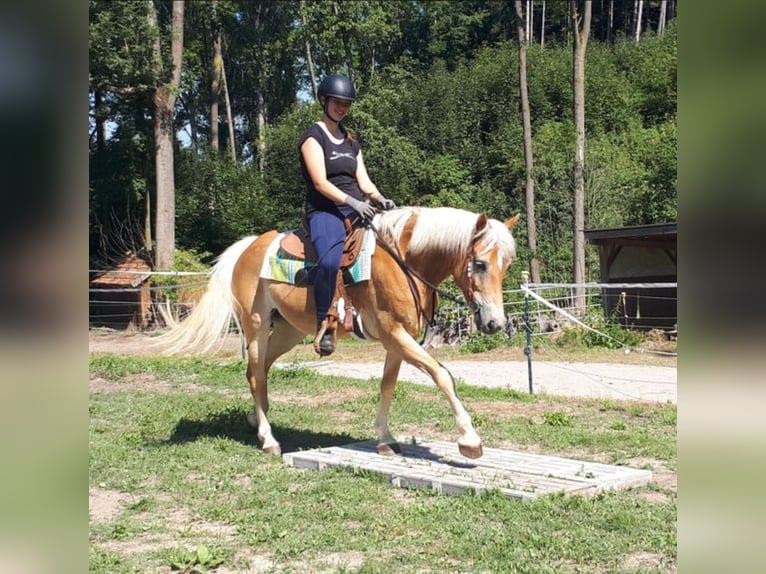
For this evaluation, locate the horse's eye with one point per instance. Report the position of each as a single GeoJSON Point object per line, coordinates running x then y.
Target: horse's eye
{"type": "Point", "coordinates": [479, 266]}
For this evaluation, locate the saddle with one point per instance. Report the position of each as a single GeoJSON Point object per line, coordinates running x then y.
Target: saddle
{"type": "Point", "coordinates": [297, 244]}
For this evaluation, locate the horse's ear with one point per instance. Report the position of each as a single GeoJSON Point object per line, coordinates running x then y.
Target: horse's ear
{"type": "Point", "coordinates": [480, 227]}
{"type": "Point", "coordinates": [511, 221]}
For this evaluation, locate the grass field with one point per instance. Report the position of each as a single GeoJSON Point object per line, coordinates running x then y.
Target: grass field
{"type": "Point", "coordinates": [177, 482]}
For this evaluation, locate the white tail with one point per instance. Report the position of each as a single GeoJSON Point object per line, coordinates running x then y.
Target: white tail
{"type": "Point", "coordinates": [208, 323]}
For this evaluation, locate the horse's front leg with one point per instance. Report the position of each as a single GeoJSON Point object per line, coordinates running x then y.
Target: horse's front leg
{"type": "Point", "coordinates": [469, 442]}
{"type": "Point", "coordinates": [386, 443]}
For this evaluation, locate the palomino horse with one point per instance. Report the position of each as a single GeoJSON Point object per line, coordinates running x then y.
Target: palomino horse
{"type": "Point", "coordinates": [434, 243]}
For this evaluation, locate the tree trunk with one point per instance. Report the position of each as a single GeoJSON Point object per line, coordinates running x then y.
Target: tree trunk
{"type": "Point", "coordinates": [164, 103]}
{"type": "Point", "coordinates": [309, 59]}
{"type": "Point", "coordinates": [261, 119]}
{"type": "Point", "coordinates": [581, 33]}
{"type": "Point", "coordinates": [639, 13]}
{"type": "Point", "coordinates": [534, 265]}
{"type": "Point", "coordinates": [610, 25]}
{"type": "Point", "coordinates": [148, 221]}
{"type": "Point", "coordinates": [229, 120]}
{"type": "Point", "coordinates": [310, 64]}
{"type": "Point", "coordinates": [663, 16]}
{"type": "Point", "coordinates": [98, 111]}
{"type": "Point", "coordinates": [530, 21]}
{"type": "Point", "coordinates": [542, 27]}
{"type": "Point", "coordinates": [349, 60]}
{"type": "Point", "coordinates": [215, 87]}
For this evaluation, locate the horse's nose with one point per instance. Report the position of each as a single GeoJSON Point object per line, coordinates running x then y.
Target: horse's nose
{"type": "Point", "coordinates": [493, 327]}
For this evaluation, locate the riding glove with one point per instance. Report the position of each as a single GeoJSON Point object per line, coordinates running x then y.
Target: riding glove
{"type": "Point", "coordinates": [364, 209]}
{"type": "Point", "coordinates": [386, 204]}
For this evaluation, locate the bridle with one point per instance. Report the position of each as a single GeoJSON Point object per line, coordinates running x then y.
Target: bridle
{"type": "Point", "coordinates": [410, 273]}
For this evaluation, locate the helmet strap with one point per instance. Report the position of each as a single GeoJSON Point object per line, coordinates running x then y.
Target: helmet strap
{"type": "Point", "coordinates": [325, 106]}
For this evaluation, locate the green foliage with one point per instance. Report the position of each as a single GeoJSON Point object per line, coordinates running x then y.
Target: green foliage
{"type": "Point", "coordinates": [197, 561]}
{"type": "Point", "coordinates": [282, 180]}
{"type": "Point", "coordinates": [612, 101]}
{"type": "Point", "coordinates": [218, 202]}
{"type": "Point", "coordinates": [437, 113]}
{"type": "Point", "coordinates": [480, 343]}
{"type": "Point", "coordinates": [442, 181]}
{"type": "Point", "coordinates": [651, 67]}
{"type": "Point", "coordinates": [183, 260]}
{"type": "Point", "coordinates": [392, 161]}
{"type": "Point", "coordinates": [120, 45]}
{"type": "Point", "coordinates": [616, 337]}
{"type": "Point", "coordinates": [558, 419]}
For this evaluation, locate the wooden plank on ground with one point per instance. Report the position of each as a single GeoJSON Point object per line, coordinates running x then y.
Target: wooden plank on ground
{"type": "Point", "coordinates": [439, 466]}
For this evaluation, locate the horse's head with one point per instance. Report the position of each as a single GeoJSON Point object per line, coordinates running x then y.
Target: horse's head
{"type": "Point", "coordinates": [491, 252]}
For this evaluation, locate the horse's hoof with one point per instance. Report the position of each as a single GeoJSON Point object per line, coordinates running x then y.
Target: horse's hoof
{"type": "Point", "coordinates": [471, 451]}
{"type": "Point", "coordinates": [275, 449]}
{"type": "Point", "coordinates": [389, 449]}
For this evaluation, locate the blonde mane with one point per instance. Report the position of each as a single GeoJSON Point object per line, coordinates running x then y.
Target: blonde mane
{"type": "Point", "coordinates": [445, 230]}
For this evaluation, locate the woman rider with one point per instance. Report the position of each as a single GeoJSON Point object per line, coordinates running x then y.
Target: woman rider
{"type": "Point", "coordinates": [337, 185]}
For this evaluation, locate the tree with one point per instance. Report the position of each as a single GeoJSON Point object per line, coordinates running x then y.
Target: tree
{"type": "Point", "coordinates": [167, 84]}
{"type": "Point", "coordinates": [663, 16]}
{"type": "Point", "coordinates": [121, 83]}
{"type": "Point", "coordinates": [638, 11]}
{"type": "Point", "coordinates": [263, 64]}
{"type": "Point", "coordinates": [581, 32]}
{"type": "Point", "coordinates": [215, 79]}
{"type": "Point", "coordinates": [534, 265]}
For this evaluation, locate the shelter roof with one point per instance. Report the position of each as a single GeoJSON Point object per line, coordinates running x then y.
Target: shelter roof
{"type": "Point", "coordinates": [662, 233]}
{"type": "Point", "coordinates": [130, 272]}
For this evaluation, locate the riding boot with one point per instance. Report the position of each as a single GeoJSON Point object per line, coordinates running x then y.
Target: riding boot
{"type": "Point", "coordinates": [324, 342]}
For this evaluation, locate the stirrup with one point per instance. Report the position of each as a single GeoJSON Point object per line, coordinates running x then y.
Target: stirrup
{"type": "Point", "coordinates": [324, 341]}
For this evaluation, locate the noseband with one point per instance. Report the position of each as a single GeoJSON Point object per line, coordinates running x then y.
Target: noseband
{"type": "Point", "coordinates": [469, 294]}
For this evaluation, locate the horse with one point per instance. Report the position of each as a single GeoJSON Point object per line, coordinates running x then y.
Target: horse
{"type": "Point", "coordinates": [423, 247]}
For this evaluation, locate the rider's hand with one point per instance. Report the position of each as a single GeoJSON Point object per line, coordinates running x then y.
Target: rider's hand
{"type": "Point", "coordinates": [386, 204]}
{"type": "Point", "coordinates": [364, 209]}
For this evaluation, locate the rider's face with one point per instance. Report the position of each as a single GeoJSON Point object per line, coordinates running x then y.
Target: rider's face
{"type": "Point", "coordinates": [338, 108]}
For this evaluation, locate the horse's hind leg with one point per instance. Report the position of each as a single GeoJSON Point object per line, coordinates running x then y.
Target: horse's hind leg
{"type": "Point", "coordinates": [283, 338]}
{"type": "Point", "coordinates": [386, 443]}
{"type": "Point", "coordinates": [262, 350]}
{"type": "Point", "coordinates": [256, 378]}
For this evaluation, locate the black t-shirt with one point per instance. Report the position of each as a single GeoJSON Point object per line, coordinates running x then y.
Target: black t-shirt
{"type": "Point", "coordinates": [340, 165]}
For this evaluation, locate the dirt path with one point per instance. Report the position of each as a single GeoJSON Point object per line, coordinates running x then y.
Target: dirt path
{"type": "Point", "coordinates": [632, 379]}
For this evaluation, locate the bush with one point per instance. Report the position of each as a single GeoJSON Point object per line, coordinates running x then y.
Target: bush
{"type": "Point", "coordinates": [480, 343]}
{"type": "Point", "coordinates": [187, 260]}
{"type": "Point", "coordinates": [610, 335]}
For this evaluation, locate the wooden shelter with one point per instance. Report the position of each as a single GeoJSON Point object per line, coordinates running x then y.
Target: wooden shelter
{"type": "Point", "coordinates": [641, 254]}
{"type": "Point", "coordinates": [120, 298]}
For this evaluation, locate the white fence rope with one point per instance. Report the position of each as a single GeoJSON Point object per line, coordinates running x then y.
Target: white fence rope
{"type": "Point", "coordinates": [556, 304]}
{"type": "Point", "coordinates": [541, 313]}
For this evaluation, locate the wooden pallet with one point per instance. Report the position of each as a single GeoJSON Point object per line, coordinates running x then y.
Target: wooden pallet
{"type": "Point", "coordinates": [439, 466]}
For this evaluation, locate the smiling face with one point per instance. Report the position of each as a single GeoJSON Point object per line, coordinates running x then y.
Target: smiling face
{"type": "Point", "coordinates": [336, 109]}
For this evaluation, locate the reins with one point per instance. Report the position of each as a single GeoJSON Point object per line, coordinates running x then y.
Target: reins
{"type": "Point", "coordinates": [409, 273]}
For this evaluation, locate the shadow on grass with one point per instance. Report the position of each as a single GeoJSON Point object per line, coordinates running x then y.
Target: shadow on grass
{"type": "Point", "coordinates": [232, 424]}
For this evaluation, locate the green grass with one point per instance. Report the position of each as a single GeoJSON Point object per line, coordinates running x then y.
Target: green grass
{"type": "Point", "coordinates": [193, 478]}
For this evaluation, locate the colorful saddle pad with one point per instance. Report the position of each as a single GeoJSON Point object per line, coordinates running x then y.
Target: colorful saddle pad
{"type": "Point", "coordinates": [278, 266]}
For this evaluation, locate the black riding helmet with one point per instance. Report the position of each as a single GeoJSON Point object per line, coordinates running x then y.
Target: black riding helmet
{"type": "Point", "coordinates": [336, 86]}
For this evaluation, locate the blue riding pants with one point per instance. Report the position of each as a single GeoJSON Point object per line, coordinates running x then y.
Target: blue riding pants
{"type": "Point", "coordinates": [328, 235]}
